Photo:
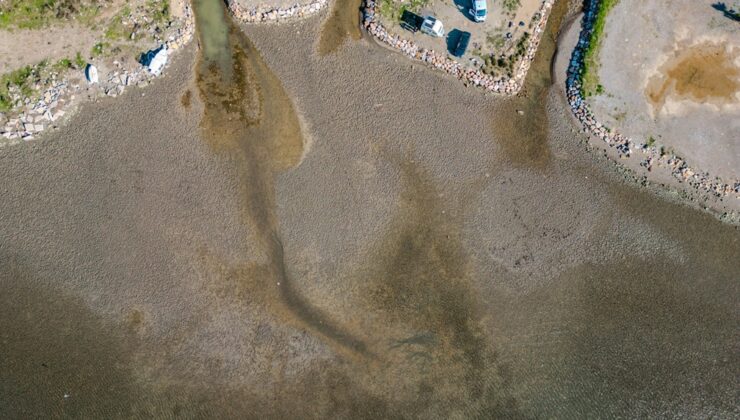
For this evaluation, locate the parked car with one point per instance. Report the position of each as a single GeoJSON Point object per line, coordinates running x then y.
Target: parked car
{"type": "Point", "coordinates": [479, 10]}
{"type": "Point", "coordinates": [411, 21]}
{"type": "Point", "coordinates": [462, 44]}
{"type": "Point", "coordinates": [432, 26]}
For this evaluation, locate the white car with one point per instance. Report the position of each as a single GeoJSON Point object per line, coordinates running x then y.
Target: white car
{"type": "Point", "coordinates": [479, 10]}
{"type": "Point", "coordinates": [433, 26]}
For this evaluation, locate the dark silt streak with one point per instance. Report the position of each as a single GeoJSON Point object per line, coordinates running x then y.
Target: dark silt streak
{"type": "Point", "coordinates": [522, 125]}
{"type": "Point", "coordinates": [342, 23]}
{"type": "Point", "coordinates": [419, 279]}
{"type": "Point", "coordinates": [249, 116]}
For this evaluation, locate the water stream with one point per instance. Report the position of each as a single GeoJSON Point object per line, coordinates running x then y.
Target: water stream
{"type": "Point", "coordinates": [248, 115]}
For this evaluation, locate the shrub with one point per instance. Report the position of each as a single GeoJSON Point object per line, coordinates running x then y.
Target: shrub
{"type": "Point", "coordinates": [21, 78]}
{"type": "Point", "coordinates": [589, 72]}
{"type": "Point", "coordinates": [79, 61]}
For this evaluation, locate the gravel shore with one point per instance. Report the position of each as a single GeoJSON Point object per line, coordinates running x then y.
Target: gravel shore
{"type": "Point", "coordinates": [490, 264]}
{"type": "Point", "coordinates": [650, 162]}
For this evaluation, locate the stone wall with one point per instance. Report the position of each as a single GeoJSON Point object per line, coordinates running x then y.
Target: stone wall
{"type": "Point", "coordinates": [275, 14]}
{"type": "Point", "coordinates": [502, 85]}
{"type": "Point", "coordinates": [626, 147]}
{"type": "Point", "coordinates": [33, 116]}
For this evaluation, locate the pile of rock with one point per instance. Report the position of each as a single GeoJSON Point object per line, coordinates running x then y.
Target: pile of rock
{"type": "Point", "coordinates": [507, 86]}
{"type": "Point", "coordinates": [275, 14]}
{"type": "Point", "coordinates": [184, 33]}
{"type": "Point", "coordinates": [624, 145]}
{"type": "Point", "coordinates": [37, 116]}
{"type": "Point", "coordinates": [30, 118]}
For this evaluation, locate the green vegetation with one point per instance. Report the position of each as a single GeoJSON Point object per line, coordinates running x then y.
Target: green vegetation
{"type": "Point", "coordinates": [35, 14]}
{"type": "Point", "coordinates": [99, 48]}
{"type": "Point", "coordinates": [63, 64]}
{"type": "Point", "coordinates": [650, 141]}
{"type": "Point", "coordinates": [159, 10]}
{"type": "Point", "coordinates": [116, 29]}
{"type": "Point", "coordinates": [511, 6]}
{"type": "Point", "coordinates": [393, 9]}
{"type": "Point", "coordinates": [505, 65]}
{"type": "Point", "coordinates": [26, 80]}
{"type": "Point", "coordinates": [79, 61]}
{"type": "Point", "coordinates": [590, 71]}
{"type": "Point", "coordinates": [21, 79]}
{"type": "Point", "coordinates": [496, 40]}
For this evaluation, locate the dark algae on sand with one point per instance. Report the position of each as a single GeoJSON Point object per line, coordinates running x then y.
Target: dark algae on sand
{"type": "Point", "coordinates": [249, 116]}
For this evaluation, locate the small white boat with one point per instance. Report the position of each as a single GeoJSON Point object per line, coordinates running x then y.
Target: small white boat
{"type": "Point", "coordinates": [91, 73]}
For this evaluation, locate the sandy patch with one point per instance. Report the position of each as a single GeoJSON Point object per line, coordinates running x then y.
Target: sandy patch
{"type": "Point", "coordinates": [693, 111]}
{"type": "Point", "coordinates": [703, 73]}
{"type": "Point", "coordinates": [28, 47]}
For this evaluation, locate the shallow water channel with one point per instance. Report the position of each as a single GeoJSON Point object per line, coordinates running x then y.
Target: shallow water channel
{"type": "Point", "coordinates": [447, 264]}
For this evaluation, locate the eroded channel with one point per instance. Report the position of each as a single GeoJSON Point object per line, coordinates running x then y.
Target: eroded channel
{"type": "Point", "coordinates": [249, 116]}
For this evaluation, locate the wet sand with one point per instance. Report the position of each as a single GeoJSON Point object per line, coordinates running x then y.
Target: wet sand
{"type": "Point", "coordinates": [342, 25]}
{"type": "Point", "coordinates": [703, 73]}
{"type": "Point", "coordinates": [488, 267]}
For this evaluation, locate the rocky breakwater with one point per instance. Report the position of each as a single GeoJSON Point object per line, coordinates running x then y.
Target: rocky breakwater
{"type": "Point", "coordinates": [267, 14]}
{"type": "Point", "coordinates": [625, 146]}
{"type": "Point", "coordinates": [434, 59]}
{"type": "Point", "coordinates": [31, 116]}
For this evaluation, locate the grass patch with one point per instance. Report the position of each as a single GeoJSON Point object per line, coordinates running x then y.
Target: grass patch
{"type": "Point", "coordinates": [590, 72]}
{"type": "Point", "coordinates": [22, 79]}
{"type": "Point", "coordinates": [393, 9]}
{"type": "Point", "coordinates": [495, 66]}
{"type": "Point", "coordinates": [160, 10]}
{"type": "Point", "coordinates": [511, 6]}
{"type": "Point", "coordinates": [79, 61]}
{"type": "Point", "coordinates": [63, 64]}
{"type": "Point", "coordinates": [496, 40]}
{"type": "Point", "coordinates": [36, 14]}
{"type": "Point", "coordinates": [116, 29]}
{"type": "Point", "coordinates": [26, 80]}
{"type": "Point", "coordinates": [99, 49]}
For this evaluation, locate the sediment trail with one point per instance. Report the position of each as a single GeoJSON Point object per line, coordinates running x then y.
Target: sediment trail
{"type": "Point", "coordinates": [249, 116]}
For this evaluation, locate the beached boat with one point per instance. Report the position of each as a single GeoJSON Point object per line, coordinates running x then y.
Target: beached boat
{"type": "Point", "coordinates": [91, 73]}
{"type": "Point", "coordinates": [155, 60]}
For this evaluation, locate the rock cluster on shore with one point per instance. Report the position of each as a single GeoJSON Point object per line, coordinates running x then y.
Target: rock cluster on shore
{"type": "Point", "coordinates": [274, 14]}
{"type": "Point", "coordinates": [32, 117]}
{"type": "Point", "coordinates": [625, 146]}
{"type": "Point", "coordinates": [507, 86]}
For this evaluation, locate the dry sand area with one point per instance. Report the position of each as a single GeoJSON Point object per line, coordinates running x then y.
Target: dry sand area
{"type": "Point", "coordinates": [22, 47]}
{"type": "Point", "coordinates": [671, 71]}
{"type": "Point", "coordinates": [28, 47]}
{"type": "Point", "coordinates": [441, 263]}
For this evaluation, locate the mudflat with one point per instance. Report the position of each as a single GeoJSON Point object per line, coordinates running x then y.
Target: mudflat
{"type": "Point", "coordinates": [446, 256]}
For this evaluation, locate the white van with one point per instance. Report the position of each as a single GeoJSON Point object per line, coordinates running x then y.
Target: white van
{"type": "Point", "coordinates": [479, 10]}
{"type": "Point", "coordinates": [432, 26]}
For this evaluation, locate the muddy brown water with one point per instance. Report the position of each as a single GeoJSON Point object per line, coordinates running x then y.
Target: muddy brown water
{"type": "Point", "coordinates": [523, 123]}
{"type": "Point", "coordinates": [703, 73]}
{"type": "Point", "coordinates": [342, 25]}
{"type": "Point", "coordinates": [430, 322]}
{"type": "Point", "coordinates": [248, 115]}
